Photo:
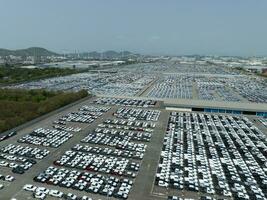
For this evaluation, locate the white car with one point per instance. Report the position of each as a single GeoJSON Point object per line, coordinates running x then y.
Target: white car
{"type": "Point", "coordinates": [86, 198]}
{"type": "Point", "coordinates": [1, 186]}
{"type": "Point", "coordinates": [3, 163]}
{"type": "Point", "coordinates": [71, 196]}
{"type": "Point", "coordinates": [9, 178]}
{"type": "Point", "coordinates": [13, 165]}
{"type": "Point", "coordinates": [55, 193]}
{"type": "Point", "coordinates": [42, 190]}
{"type": "Point", "coordinates": [29, 187]}
{"type": "Point", "coordinates": [39, 195]}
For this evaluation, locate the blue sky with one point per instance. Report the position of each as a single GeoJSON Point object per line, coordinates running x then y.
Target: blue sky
{"type": "Point", "coordinates": [177, 27]}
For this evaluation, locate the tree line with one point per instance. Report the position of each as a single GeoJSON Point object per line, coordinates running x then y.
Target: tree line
{"type": "Point", "coordinates": [16, 74]}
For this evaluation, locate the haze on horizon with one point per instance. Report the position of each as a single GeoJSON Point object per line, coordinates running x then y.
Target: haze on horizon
{"type": "Point", "coordinates": [145, 26]}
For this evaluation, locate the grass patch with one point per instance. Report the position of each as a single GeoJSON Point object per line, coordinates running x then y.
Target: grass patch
{"type": "Point", "coordinates": [20, 106]}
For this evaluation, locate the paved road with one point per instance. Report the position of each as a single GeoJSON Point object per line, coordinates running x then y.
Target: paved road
{"type": "Point", "coordinates": [145, 180]}
{"type": "Point", "coordinates": [146, 89]}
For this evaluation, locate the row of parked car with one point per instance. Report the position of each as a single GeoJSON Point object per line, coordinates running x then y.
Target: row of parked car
{"type": "Point", "coordinates": [25, 151]}
{"type": "Point", "coordinates": [263, 121]}
{"type": "Point", "coordinates": [214, 154]}
{"type": "Point", "coordinates": [123, 143]}
{"type": "Point", "coordinates": [108, 186]}
{"type": "Point", "coordinates": [43, 193]}
{"type": "Point", "coordinates": [131, 128]}
{"type": "Point", "coordinates": [6, 136]}
{"type": "Point", "coordinates": [125, 102]}
{"type": "Point", "coordinates": [80, 117]}
{"type": "Point", "coordinates": [96, 109]}
{"type": "Point", "coordinates": [137, 114]}
{"type": "Point", "coordinates": [200, 198]}
{"type": "Point", "coordinates": [86, 114]}
{"type": "Point", "coordinates": [132, 123]}
{"type": "Point", "coordinates": [108, 151]}
{"type": "Point", "coordinates": [67, 128]}
{"type": "Point", "coordinates": [135, 135]}
{"type": "Point", "coordinates": [98, 163]}
{"type": "Point", "coordinates": [18, 164]}
{"type": "Point", "coordinates": [46, 137]}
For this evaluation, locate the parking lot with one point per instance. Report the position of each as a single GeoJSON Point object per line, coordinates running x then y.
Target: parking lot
{"type": "Point", "coordinates": [121, 83]}
{"type": "Point", "coordinates": [112, 148]}
{"type": "Point", "coordinates": [215, 87]}
{"type": "Point", "coordinates": [43, 141]}
{"type": "Point", "coordinates": [117, 172]}
{"type": "Point", "coordinates": [61, 144]}
{"type": "Point", "coordinates": [213, 154]}
{"type": "Point", "coordinates": [173, 86]}
{"type": "Point", "coordinates": [164, 80]}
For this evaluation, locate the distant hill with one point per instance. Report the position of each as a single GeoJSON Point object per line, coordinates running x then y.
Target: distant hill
{"type": "Point", "coordinates": [93, 54]}
{"type": "Point", "coordinates": [32, 51]}
{"type": "Point", "coordinates": [38, 51]}
{"type": "Point", "coordinates": [114, 54]}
